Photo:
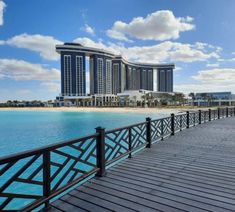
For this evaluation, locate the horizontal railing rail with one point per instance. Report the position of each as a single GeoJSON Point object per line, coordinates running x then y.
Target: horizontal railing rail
{"type": "Point", "coordinates": [32, 179]}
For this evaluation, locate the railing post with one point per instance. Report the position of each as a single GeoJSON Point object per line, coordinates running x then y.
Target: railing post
{"type": "Point", "coordinates": [172, 124]}
{"type": "Point", "coordinates": [226, 111]}
{"type": "Point", "coordinates": [200, 117]}
{"type": "Point", "coordinates": [100, 152]}
{"type": "Point", "coordinates": [234, 111]}
{"type": "Point", "coordinates": [162, 129]}
{"type": "Point", "coordinates": [218, 113]}
{"type": "Point", "coordinates": [148, 132]}
{"type": "Point", "coordinates": [187, 119]}
{"type": "Point", "coordinates": [46, 176]}
{"type": "Point", "coordinates": [209, 114]}
{"type": "Point", "coordinates": [181, 122]}
{"type": "Point", "coordinates": [194, 119]}
{"type": "Point", "coordinates": [129, 142]}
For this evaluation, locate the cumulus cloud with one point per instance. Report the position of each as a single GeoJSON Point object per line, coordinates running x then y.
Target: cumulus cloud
{"type": "Point", "coordinates": [25, 71]}
{"type": "Point", "coordinates": [217, 79]}
{"type": "Point", "coordinates": [89, 29]}
{"type": "Point", "coordinates": [99, 44]}
{"type": "Point", "coordinates": [217, 75]}
{"type": "Point", "coordinates": [166, 51]}
{"type": "Point", "coordinates": [44, 45]}
{"type": "Point", "coordinates": [2, 7]}
{"type": "Point", "coordinates": [117, 35]}
{"type": "Point", "coordinates": [51, 86]}
{"type": "Point", "coordinates": [226, 59]}
{"type": "Point", "coordinates": [177, 69]}
{"type": "Point", "coordinates": [160, 25]}
{"type": "Point", "coordinates": [212, 65]}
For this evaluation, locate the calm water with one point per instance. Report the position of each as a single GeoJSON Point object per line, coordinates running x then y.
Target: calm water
{"type": "Point", "coordinates": [20, 130]}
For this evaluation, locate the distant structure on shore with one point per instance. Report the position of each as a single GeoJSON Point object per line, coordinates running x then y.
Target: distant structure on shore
{"type": "Point", "coordinates": [225, 98]}
{"type": "Point", "coordinates": [109, 74]}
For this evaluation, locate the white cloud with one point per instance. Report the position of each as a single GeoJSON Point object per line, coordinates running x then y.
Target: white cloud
{"type": "Point", "coordinates": [212, 65]}
{"type": "Point", "coordinates": [203, 87]}
{"type": "Point", "coordinates": [217, 75]}
{"type": "Point", "coordinates": [160, 25]}
{"type": "Point", "coordinates": [226, 59]}
{"type": "Point", "coordinates": [2, 7]}
{"type": "Point", "coordinates": [217, 79]}
{"type": "Point", "coordinates": [89, 29]}
{"type": "Point", "coordinates": [44, 45]}
{"type": "Point", "coordinates": [50, 86]}
{"type": "Point", "coordinates": [117, 35]}
{"type": "Point", "coordinates": [164, 52]}
{"type": "Point", "coordinates": [90, 43]}
{"type": "Point", "coordinates": [177, 69]}
{"type": "Point", "coordinates": [25, 71]}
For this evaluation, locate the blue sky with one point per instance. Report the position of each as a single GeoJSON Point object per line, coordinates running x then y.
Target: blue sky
{"type": "Point", "coordinates": [198, 36]}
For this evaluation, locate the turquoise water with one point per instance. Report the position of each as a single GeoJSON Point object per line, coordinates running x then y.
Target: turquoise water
{"type": "Point", "coordinates": [24, 130]}
{"type": "Point", "coordinates": [21, 130]}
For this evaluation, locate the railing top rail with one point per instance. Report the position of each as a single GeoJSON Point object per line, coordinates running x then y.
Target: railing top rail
{"type": "Point", "coordinates": [40, 150]}
{"type": "Point", "coordinates": [126, 127]}
{"type": "Point", "coordinates": [160, 118]}
{"type": "Point", "coordinates": [182, 114]}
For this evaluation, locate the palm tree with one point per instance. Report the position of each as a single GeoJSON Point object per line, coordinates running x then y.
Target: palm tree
{"type": "Point", "coordinates": [205, 97]}
{"type": "Point", "coordinates": [144, 100]}
{"type": "Point", "coordinates": [192, 95]}
{"type": "Point", "coordinates": [179, 97]}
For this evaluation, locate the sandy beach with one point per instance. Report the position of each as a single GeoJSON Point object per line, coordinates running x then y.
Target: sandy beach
{"type": "Point", "coordinates": [96, 109]}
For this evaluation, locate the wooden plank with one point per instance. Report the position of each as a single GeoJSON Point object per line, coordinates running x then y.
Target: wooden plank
{"type": "Point", "coordinates": [64, 206]}
{"type": "Point", "coordinates": [162, 178]}
{"type": "Point", "coordinates": [97, 201]}
{"type": "Point", "coordinates": [186, 169]}
{"type": "Point", "coordinates": [195, 198]}
{"type": "Point", "coordinates": [197, 187]}
{"type": "Point", "coordinates": [206, 179]}
{"type": "Point", "coordinates": [228, 167]}
{"type": "Point", "coordinates": [116, 197]}
{"type": "Point", "coordinates": [133, 199]}
{"type": "Point", "coordinates": [82, 204]}
{"type": "Point", "coordinates": [150, 199]}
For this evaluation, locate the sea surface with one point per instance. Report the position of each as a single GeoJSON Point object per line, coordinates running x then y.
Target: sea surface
{"type": "Point", "coordinates": [25, 130]}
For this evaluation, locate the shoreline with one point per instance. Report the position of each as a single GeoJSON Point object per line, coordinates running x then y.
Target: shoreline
{"type": "Point", "coordinates": [95, 109]}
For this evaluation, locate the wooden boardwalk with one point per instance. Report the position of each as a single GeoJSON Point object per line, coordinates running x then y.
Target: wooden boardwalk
{"type": "Point", "coordinates": [191, 171]}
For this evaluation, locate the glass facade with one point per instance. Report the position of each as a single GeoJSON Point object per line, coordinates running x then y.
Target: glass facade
{"type": "Point", "coordinates": [213, 95]}
{"type": "Point", "coordinates": [67, 75]}
{"type": "Point", "coordinates": [108, 77]}
{"type": "Point", "coordinates": [80, 75]}
{"type": "Point", "coordinates": [109, 74]}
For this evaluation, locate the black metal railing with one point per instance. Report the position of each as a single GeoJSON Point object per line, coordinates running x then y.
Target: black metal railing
{"type": "Point", "coordinates": [33, 178]}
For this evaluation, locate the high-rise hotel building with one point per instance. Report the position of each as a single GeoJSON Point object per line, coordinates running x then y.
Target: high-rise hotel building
{"type": "Point", "coordinates": [109, 73]}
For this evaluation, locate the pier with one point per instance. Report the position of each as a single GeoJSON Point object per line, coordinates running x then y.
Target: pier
{"type": "Point", "coordinates": [192, 171]}
{"type": "Point", "coordinates": [183, 162]}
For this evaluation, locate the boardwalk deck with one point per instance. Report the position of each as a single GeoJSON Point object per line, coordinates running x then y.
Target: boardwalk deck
{"type": "Point", "coordinates": [191, 171]}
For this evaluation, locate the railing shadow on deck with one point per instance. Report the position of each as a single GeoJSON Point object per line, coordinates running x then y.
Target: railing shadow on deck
{"type": "Point", "coordinates": [32, 179]}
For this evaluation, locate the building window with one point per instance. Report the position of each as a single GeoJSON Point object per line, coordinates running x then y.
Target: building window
{"type": "Point", "coordinates": [116, 81]}
{"type": "Point", "coordinates": [100, 78]}
{"type": "Point", "coordinates": [79, 76]}
{"type": "Point", "coordinates": [108, 77]}
{"type": "Point", "coordinates": [67, 75]}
